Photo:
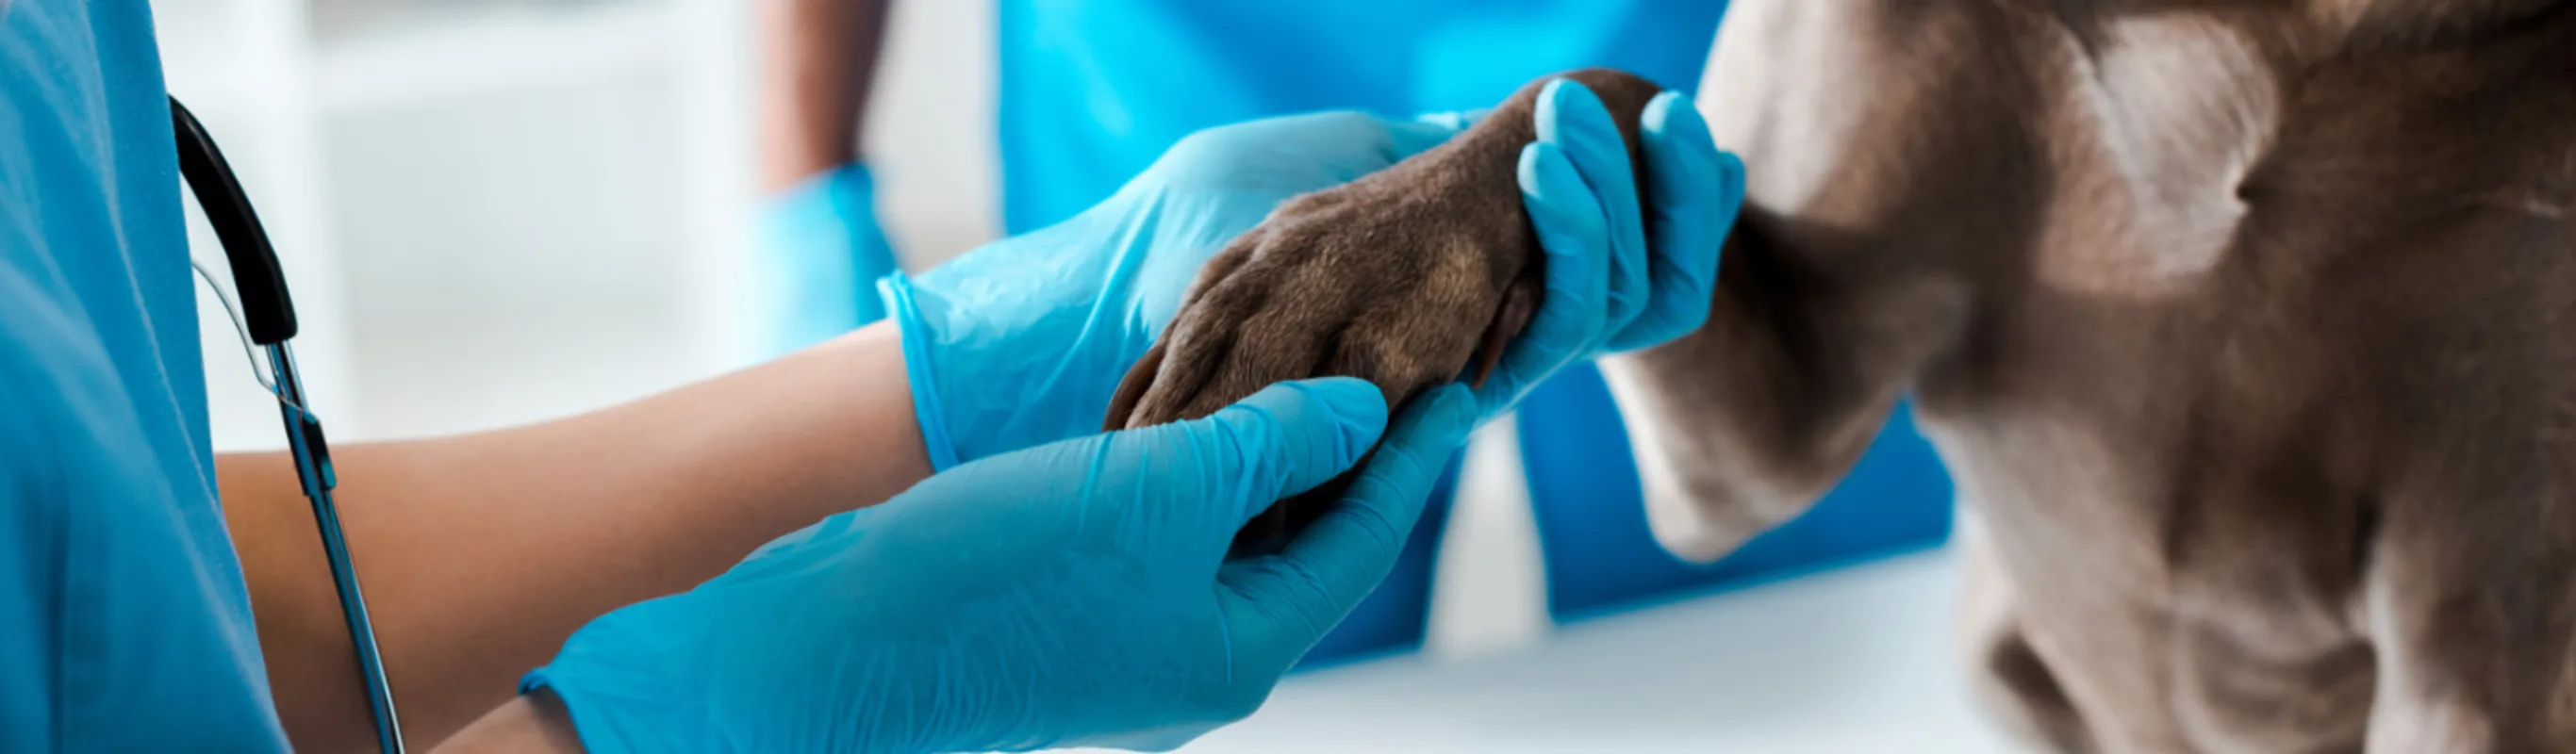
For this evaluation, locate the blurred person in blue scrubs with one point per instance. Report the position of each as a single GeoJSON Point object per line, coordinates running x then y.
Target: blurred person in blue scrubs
{"type": "Point", "coordinates": [812, 270]}
{"type": "Point", "coordinates": [1091, 91]}
{"type": "Point", "coordinates": [763, 561]}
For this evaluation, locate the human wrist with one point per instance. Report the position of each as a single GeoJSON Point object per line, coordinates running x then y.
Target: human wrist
{"type": "Point", "coordinates": [776, 447]}
{"type": "Point", "coordinates": [905, 311]}
{"type": "Point", "coordinates": [845, 187]}
{"type": "Point", "coordinates": [990, 376]}
{"type": "Point", "coordinates": [871, 420]}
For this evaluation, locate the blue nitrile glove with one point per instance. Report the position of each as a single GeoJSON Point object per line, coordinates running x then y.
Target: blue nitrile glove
{"type": "Point", "coordinates": [819, 255]}
{"type": "Point", "coordinates": [1616, 282]}
{"type": "Point", "coordinates": [1022, 341]}
{"type": "Point", "coordinates": [1071, 594]}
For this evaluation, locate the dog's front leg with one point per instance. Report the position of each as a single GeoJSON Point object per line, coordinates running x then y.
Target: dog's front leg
{"type": "Point", "coordinates": [1746, 423]}
{"type": "Point", "coordinates": [1868, 150]}
{"type": "Point", "coordinates": [2474, 640]}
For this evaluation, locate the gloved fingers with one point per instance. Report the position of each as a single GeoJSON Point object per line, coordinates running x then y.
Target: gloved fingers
{"type": "Point", "coordinates": [1697, 192]}
{"type": "Point", "coordinates": [1284, 440]}
{"type": "Point", "coordinates": [1278, 606]}
{"type": "Point", "coordinates": [1570, 116]}
{"type": "Point", "coordinates": [1572, 315]}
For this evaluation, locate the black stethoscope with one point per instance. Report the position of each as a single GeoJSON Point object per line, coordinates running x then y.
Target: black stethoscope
{"type": "Point", "coordinates": [268, 318]}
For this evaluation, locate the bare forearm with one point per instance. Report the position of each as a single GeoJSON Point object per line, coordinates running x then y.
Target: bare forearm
{"type": "Point", "coordinates": [819, 62]}
{"type": "Point", "coordinates": [481, 553]}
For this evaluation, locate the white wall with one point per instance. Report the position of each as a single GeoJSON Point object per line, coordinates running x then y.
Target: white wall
{"type": "Point", "coordinates": [930, 135]}
{"type": "Point", "coordinates": [495, 211]}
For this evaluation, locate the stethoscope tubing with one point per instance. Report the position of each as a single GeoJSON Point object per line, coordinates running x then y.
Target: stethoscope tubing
{"type": "Point", "coordinates": [270, 321]}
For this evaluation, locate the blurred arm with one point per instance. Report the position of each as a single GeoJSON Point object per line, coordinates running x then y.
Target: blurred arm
{"type": "Point", "coordinates": [481, 553]}
{"type": "Point", "coordinates": [820, 58]}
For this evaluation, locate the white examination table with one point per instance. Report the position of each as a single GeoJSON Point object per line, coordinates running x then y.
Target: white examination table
{"type": "Point", "coordinates": [1853, 660]}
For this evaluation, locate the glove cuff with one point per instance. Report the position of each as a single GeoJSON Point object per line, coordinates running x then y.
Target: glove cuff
{"type": "Point", "coordinates": [902, 305]}
{"type": "Point", "coordinates": [842, 199]}
{"type": "Point", "coordinates": [818, 250]}
{"type": "Point", "coordinates": [602, 728]}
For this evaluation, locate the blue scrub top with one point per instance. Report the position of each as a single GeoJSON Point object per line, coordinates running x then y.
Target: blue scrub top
{"type": "Point", "coordinates": [1092, 92]}
{"type": "Point", "coordinates": [124, 621]}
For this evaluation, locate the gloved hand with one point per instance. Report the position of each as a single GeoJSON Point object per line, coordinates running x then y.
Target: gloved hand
{"type": "Point", "coordinates": [1071, 594]}
{"type": "Point", "coordinates": [820, 252]}
{"type": "Point", "coordinates": [1022, 341]}
{"type": "Point", "coordinates": [1617, 279]}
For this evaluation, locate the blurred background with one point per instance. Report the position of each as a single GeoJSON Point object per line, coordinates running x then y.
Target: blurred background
{"type": "Point", "coordinates": [501, 211]}
{"type": "Point", "coordinates": [495, 211]}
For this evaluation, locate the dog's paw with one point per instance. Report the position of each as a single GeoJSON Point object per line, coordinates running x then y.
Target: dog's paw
{"type": "Point", "coordinates": [1408, 278]}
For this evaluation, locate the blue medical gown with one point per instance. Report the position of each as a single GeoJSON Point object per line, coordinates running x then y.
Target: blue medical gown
{"type": "Point", "coordinates": [1092, 92]}
{"type": "Point", "coordinates": [124, 621]}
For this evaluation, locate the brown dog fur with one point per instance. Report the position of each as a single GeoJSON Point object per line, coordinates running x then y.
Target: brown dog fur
{"type": "Point", "coordinates": [2247, 329]}
{"type": "Point", "coordinates": [2244, 326]}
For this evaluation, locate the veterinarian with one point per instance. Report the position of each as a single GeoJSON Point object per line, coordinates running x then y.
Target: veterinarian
{"type": "Point", "coordinates": [1053, 587]}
